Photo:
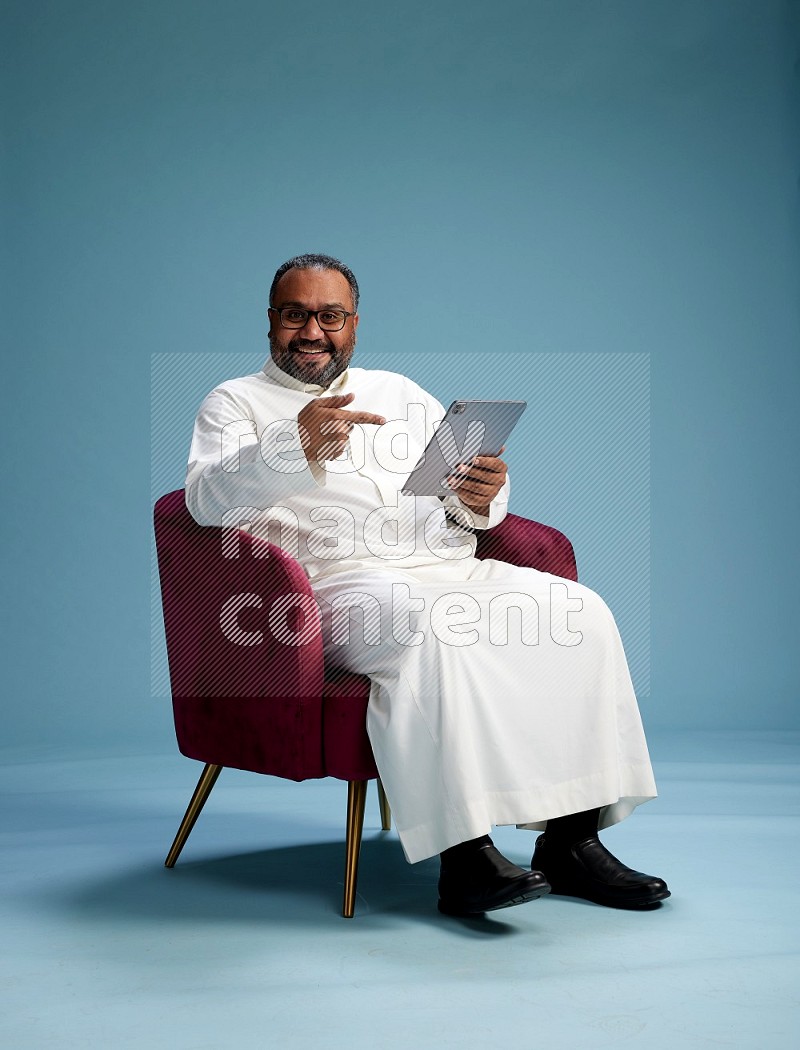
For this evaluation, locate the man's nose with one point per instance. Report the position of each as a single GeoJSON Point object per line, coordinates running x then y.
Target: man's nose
{"type": "Point", "coordinates": [311, 329]}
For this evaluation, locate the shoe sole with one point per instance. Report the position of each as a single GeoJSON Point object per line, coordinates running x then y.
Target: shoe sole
{"type": "Point", "coordinates": [634, 904]}
{"type": "Point", "coordinates": [521, 898]}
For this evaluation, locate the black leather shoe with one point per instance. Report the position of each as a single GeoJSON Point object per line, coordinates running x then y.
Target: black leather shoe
{"type": "Point", "coordinates": [487, 881]}
{"type": "Point", "coordinates": [586, 869]}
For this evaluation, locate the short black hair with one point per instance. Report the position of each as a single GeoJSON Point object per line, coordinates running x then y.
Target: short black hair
{"type": "Point", "coordinates": [312, 261]}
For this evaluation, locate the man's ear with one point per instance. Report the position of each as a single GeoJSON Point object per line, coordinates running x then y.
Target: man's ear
{"type": "Point", "coordinates": [355, 321]}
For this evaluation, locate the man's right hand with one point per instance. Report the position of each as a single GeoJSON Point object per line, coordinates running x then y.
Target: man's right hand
{"type": "Point", "coordinates": [325, 426]}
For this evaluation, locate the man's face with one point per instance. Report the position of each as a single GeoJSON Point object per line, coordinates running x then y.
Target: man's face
{"type": "Point", "coordinates": [310, 354]}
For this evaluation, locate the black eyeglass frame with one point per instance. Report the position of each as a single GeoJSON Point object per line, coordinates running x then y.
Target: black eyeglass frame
{"type": "Point", "coordinates": [279, 310]}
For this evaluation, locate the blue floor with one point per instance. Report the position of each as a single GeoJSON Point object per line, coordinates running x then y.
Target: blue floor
{"type": "Point", "coordinates": [242, 945]}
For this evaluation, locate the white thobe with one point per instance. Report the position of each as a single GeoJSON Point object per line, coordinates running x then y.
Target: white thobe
{"type": "Point", "coordinates": [499, 695]}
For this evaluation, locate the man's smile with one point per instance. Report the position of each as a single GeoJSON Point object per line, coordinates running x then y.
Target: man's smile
{"type": "Point", "coordinates": [307, 350]}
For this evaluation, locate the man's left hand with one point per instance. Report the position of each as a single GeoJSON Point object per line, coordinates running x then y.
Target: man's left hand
{"type": "Point", "coordinates": [477, 483]}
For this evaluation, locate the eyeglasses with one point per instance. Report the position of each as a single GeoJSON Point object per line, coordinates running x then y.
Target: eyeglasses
{"type": "Point", "coordinates": [328, 320]}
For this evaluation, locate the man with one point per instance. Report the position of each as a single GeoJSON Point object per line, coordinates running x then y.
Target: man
{"type": "Point", "coordinates": [472, 722]}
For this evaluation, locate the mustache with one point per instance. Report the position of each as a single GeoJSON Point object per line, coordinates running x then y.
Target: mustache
{"type": "Point", "coordinates": [311, 344]}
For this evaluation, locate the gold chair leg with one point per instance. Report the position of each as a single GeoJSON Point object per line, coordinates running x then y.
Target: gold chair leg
{"type": "Point", "coordinates": [356, 797]}
{"type": "Point", "coordinates": [208, 779]}
{"type": "Point", "coordinates": [386, 810]}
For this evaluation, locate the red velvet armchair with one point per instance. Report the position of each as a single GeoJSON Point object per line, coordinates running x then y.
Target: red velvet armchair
{"type": "Point", "coordinates": [244, 698]}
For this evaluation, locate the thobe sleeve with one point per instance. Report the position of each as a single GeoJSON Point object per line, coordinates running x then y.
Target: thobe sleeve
{"type": "Point", "coordinates": [231, 465]}
{"type": "Point", "coordinates": [467, 518]}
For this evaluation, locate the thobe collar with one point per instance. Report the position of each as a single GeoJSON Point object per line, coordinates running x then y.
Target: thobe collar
{"type": "Point", "coordinates": [277, 375]}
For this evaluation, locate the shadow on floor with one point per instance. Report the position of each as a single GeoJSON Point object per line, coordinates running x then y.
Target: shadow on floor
{"type": "Point", "coordinates": [295, 886]}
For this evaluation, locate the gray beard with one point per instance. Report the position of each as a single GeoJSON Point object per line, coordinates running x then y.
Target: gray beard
{"type": "Point", "coordinates": [285, 359]}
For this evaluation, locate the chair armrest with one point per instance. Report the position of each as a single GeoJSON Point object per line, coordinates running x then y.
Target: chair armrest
{"type": "Point", "coordinates": [519, 541]}
{"type": "Point", "coordinates": [234, 617]}
{"type": "Point", "coordinates": [250, 699]}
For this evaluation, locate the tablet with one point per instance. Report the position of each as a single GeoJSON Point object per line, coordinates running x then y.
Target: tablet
{"type": "Point", "coordinates": [469, 429]}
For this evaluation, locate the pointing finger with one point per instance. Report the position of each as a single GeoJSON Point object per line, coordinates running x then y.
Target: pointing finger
{"type": "Point", "coordinates": [362, 417]}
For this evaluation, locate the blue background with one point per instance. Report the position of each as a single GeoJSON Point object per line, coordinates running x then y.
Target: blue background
{"type": "Point", "coordinates": [623, 174]}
